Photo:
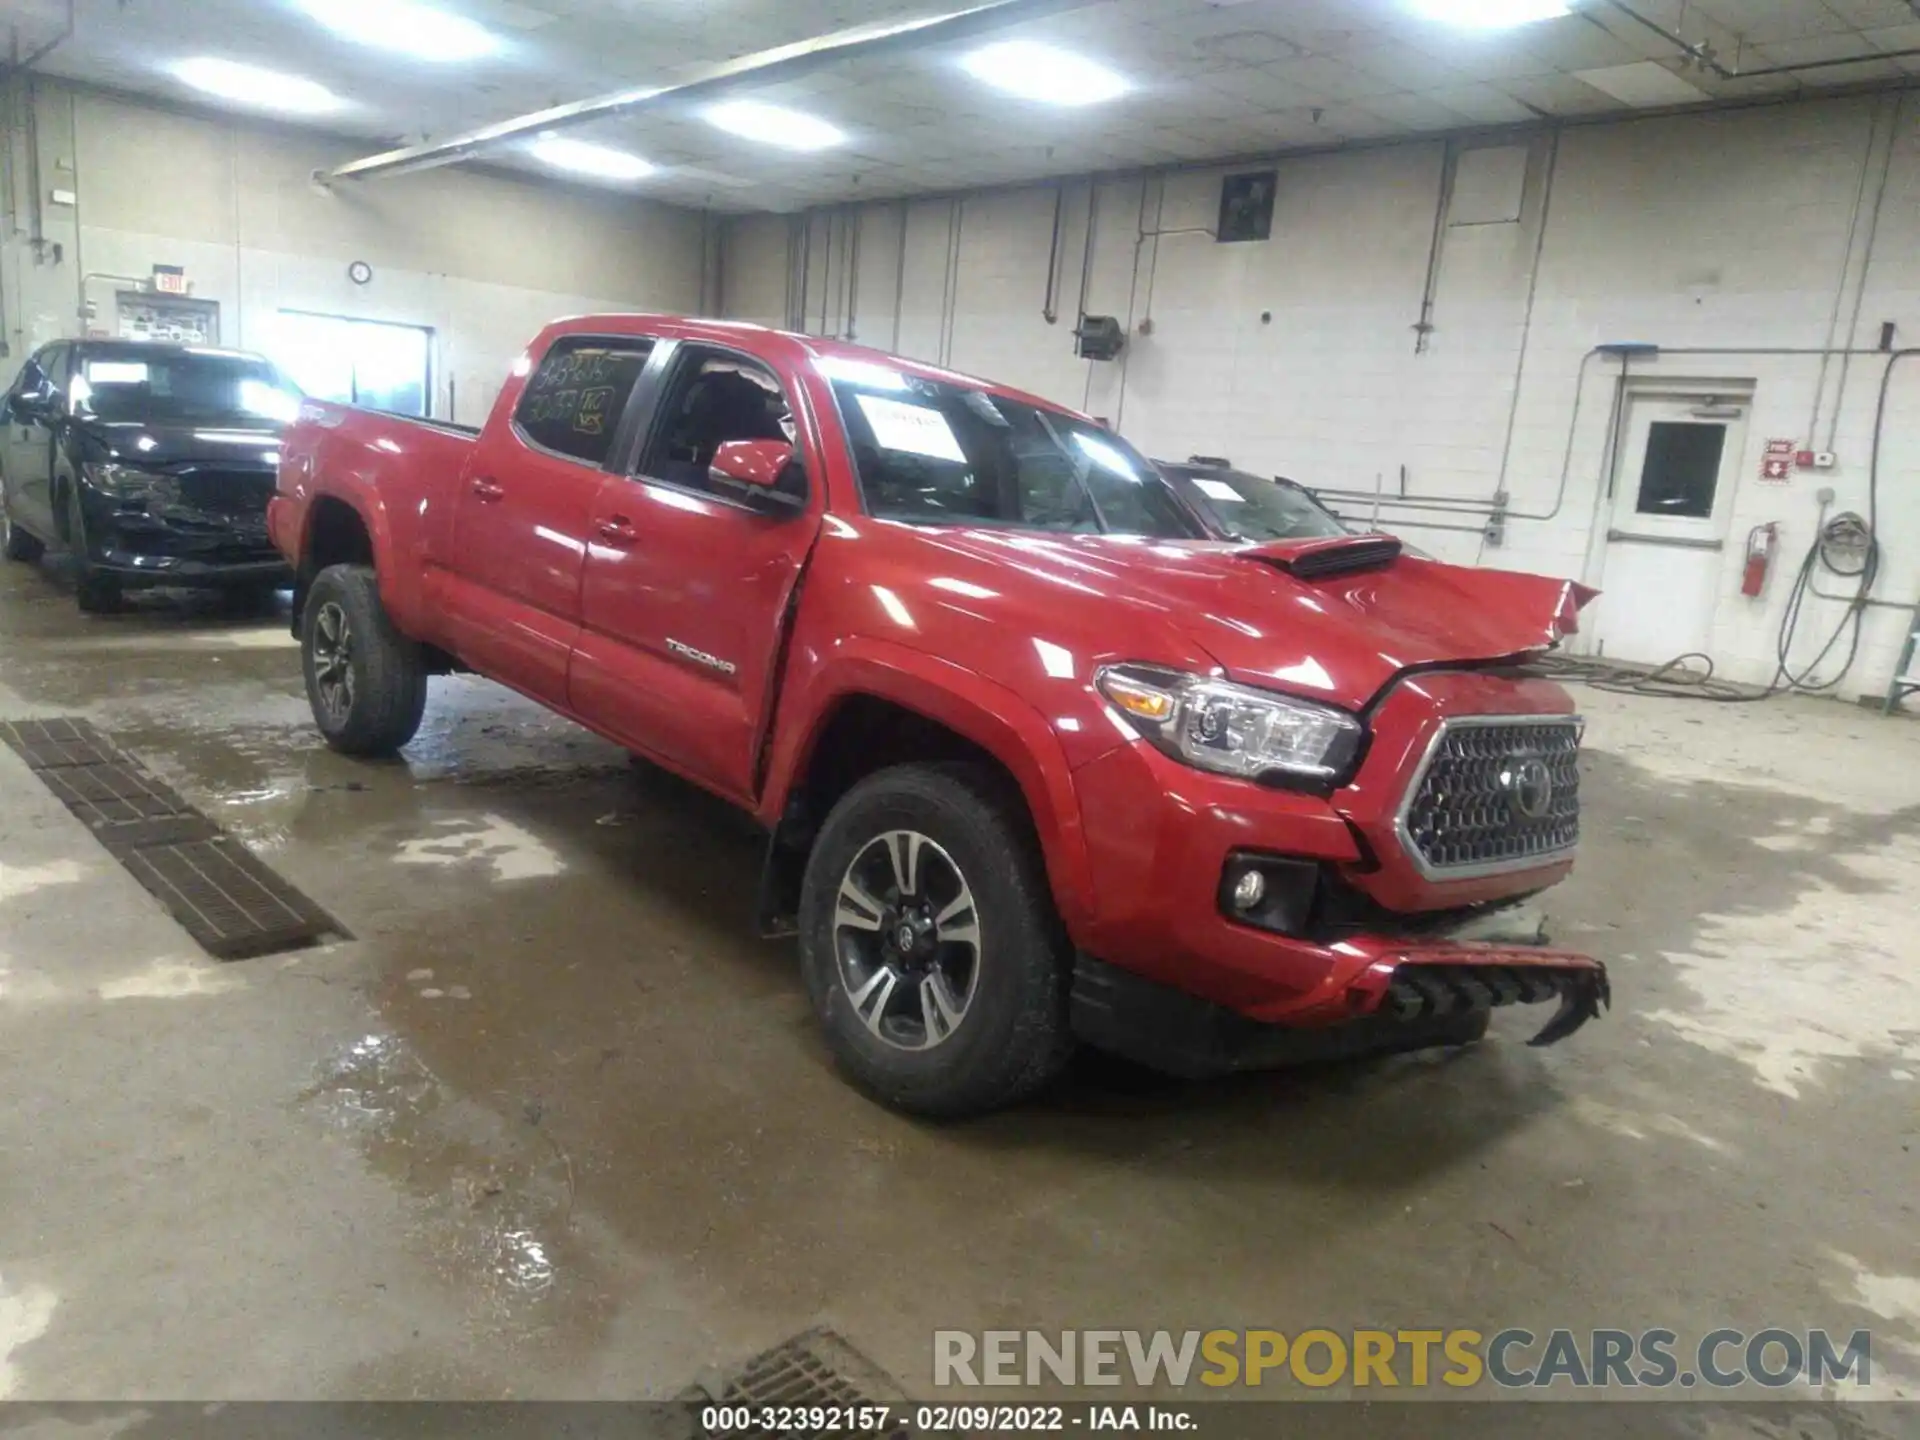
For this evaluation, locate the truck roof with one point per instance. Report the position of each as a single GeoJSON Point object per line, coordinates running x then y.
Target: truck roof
{"type": "Point", "coordinates": [789, 346]}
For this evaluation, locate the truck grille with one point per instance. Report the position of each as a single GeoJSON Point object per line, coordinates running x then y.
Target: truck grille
{"type": "Point", "coordinates": [1495, 794]}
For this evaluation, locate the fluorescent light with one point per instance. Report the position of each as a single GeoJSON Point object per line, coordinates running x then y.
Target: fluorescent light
{"type": "Point", "coordinates": [262, 89]}
{"type": "Point", "coordinates": [405, 25]}
{"type": "Point", "coordinates": [1040, 72]}
{"type": "Point", "coordinates": [584, 159]}
{"type": "Point", "coordinates": [773, 125]}
{"type": "Point", "coordinates": [1490, 14]}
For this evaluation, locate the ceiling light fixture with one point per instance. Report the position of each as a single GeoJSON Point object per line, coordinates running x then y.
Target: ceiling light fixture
{"type": "Point", "coordinates": [404, 25]}
{"type": "Point", "coordinates": [584, 159]}
{"type": "Point", "coordinates": [1040, 72]}
{"type": "Point", "coordinates": [252, 86]}
{"type": "Point", "coordinates": [1490, 14]}
{"type": "Point", "coordinates": [774, 125]}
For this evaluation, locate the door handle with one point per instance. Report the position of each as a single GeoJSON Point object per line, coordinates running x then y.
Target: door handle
{"type": "Point", "coordinates": [617, 530]}
{"type": "Point", "coordinates": [488, 490]}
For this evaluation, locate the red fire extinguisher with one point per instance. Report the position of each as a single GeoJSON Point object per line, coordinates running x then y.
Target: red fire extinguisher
{"type": "Point", "coordinates": [1760, 542]}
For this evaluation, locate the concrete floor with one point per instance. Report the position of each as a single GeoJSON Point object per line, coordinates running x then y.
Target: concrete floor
{"type": "Point", "coordinates": [557, 1124]}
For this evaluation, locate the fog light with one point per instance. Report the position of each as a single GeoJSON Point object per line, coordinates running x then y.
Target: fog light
{"type": "Point", "coordinates": [1269, 892]}
{"type": "Point", "coordinates": [1249, 890]}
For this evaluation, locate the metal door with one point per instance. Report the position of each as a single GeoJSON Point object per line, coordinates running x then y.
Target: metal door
{"type": "Point", "coordinates": [1665, 554]}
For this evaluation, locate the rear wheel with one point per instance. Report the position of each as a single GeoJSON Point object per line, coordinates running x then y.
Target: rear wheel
{"type": "Point", "coordinates": [366, 682]}
{"type": "Point", "coordinates": [931, 949]}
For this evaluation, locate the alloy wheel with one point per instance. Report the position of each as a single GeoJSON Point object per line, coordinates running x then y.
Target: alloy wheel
{"type": "Point", "coordinates": [333, 662]}
{"type": "Point", "coordinates": [907, 937]}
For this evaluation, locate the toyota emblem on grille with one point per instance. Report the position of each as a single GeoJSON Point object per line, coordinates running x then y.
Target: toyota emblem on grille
{"type": "Point", "coordinates": [1530, 783]}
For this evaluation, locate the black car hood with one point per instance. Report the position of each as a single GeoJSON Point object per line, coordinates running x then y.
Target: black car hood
{"type": "Point", "coordinates": [132, 443]}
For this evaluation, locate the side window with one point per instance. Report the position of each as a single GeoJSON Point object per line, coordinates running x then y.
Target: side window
{"type": "Point", "coordinates": [715, 397]}
{"type": "Point", "coordinates": [32, 379]}
{"type": "Point", "coordinates": [573, 402]}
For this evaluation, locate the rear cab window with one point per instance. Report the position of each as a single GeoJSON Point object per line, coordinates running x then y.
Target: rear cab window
{"type": "Point", "coordinates": [576, 395]}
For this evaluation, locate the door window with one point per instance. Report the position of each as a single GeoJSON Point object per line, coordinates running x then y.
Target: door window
{"type": "Point", "coordinates": [32, 382]}
{"type": "Point", "coordinates": [356, 362]}
{"type": "Point", "coordinates": [716, 397]}
{"type": "Point", "coordinates": [1682, 469]}
{"type": "Point", "coordinates": [573, 402]}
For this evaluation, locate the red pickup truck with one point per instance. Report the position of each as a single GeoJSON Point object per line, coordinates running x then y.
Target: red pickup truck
{"type": "Point", "coordinates": [1038, 762]}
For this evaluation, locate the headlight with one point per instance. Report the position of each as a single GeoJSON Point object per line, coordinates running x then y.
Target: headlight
{"type": "Point", "coordinates": [1232, 729]}
{"type": "Point", "coordinates": [123, 482]}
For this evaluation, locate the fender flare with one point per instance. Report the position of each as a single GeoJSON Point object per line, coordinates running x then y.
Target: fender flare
{"type": "Point", "coordinates": [974, 707]}
{"type": "Point", "coordinates": [399, 591]}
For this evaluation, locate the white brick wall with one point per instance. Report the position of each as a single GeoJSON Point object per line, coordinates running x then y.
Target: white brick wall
{"type": "Point", "coordinates": [1729, 229]}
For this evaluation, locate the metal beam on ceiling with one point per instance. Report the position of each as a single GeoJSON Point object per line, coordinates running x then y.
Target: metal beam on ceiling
{"type": "Point", "coordinates": [763, 67]}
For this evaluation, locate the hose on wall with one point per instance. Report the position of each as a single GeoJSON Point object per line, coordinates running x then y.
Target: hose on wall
{"type": "Point", "coordinates": [1691, 677]}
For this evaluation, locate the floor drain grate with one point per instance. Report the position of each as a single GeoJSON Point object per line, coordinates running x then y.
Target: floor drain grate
{"type": "Point", "coordinates": [47, 744]}
{"type": "Point", "coordinates": [125, 807]}
{"type": "Point", "coordinates": [816, 1369]}
{"type": "Point", "coordinates": [222, 894]}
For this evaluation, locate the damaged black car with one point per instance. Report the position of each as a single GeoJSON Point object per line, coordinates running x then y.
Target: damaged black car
{"type": "Point", "coordinates": [151, 463]}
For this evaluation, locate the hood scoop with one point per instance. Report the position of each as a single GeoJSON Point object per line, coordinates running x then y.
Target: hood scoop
{"type": "Point", "coordinates": [1333, 555]}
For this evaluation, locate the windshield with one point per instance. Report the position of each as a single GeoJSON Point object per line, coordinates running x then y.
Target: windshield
{"type": "Point", "coordinates": [934, 453]}
{"type": "Point", "coordinates": [155, 387]}
{"type": "Point", "coordinates": [1251, 507]}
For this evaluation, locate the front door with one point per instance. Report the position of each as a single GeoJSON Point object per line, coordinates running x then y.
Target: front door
{"type": "Point", "coordinates": [29, 444]}
{"type": "Point", "coordinates": [688, 583]}
{"type": "Point", "coordinates": [521, 511]}
{"type": "Point", "coordinates": [1665, 548]}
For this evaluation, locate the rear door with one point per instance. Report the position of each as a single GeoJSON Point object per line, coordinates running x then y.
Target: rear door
{"type": "Point", "coordinates": [521, 513]}
{"type": "Point", "coordinates": [688, 583]}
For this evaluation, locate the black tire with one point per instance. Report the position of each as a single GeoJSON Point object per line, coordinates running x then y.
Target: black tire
{"type": "Point", "coordinates": [1013, 1035]}
{"type": "Point", "coordinates": [19, 545]}
{"type": "Point", "coordinates": [96, 591]}
{"type": "Point", "coordinates": [385, 680]}
{"type": "Point", "coordinates": [252, 596]}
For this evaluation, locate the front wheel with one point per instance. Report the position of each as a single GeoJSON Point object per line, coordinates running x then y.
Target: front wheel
{"type": "Point", "coordinates": [96, 591]}
{"type": "Point", "coordinates": [366, 682]}
{"type": "Point", "coordinates": [931, 949]}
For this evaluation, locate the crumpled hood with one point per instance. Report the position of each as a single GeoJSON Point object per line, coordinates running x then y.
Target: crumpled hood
{"type": "Point", "coordinates": [1339, 637]}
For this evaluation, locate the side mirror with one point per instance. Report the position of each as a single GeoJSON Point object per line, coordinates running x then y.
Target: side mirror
{"type": "Point", "coordinates": [28, 409]}
{"type": "Point", "coordinates": [765, 467]}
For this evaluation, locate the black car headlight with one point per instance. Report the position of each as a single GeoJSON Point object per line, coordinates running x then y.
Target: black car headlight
{"type": "Point", "coordinates": [1232, 729]}
{"type": "Point", "coordinates": [122, 482]}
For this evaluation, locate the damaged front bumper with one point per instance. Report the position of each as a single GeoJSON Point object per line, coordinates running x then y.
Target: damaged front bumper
{"type": "Point", "coordinates": [1395, 994]}
{"type": "Point", "coordinates": [163, 542]}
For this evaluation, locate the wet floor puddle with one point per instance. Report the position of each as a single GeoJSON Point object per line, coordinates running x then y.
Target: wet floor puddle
{"type": "Point", "coordinates": [494, 1194]}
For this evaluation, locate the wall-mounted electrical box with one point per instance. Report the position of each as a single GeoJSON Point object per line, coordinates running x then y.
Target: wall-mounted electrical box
{"type": "Point", "coordinates": [1099, 337]}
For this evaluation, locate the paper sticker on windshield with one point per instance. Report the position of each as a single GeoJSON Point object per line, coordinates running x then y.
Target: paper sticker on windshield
{"type": "Point", "coordinates": [117, 372]}
{"type": "Point", "coordinates": [912, 428]}
{"type": "Point", "coordinates": [1219, 490]}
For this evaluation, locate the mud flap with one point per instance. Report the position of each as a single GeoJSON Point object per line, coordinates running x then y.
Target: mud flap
{"type": "Point", "coordinates": [1583, 996]}
{"type": "Point", "coordinates": [777, 905]}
